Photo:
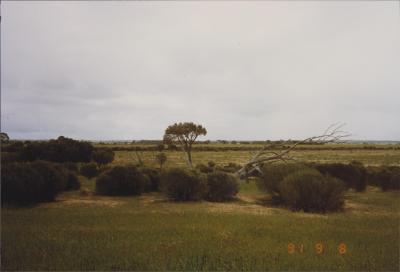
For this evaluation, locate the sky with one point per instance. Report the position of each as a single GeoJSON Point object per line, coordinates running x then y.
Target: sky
{"type": "Point", "coordinates": [125, 70]}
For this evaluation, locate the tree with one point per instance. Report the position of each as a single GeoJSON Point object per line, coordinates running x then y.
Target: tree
{"type": "Point", "coordinates": [161, 158]}
{"type": "Point", "coordinates": [4, 137]}
{"type": "Point", "coordinates": [185, 134]}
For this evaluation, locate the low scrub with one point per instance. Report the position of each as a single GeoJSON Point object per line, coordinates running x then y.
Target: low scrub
{"type": "Point", "coordinates": [204, 168]}
{"type": "Point", "coordinates": [153, 177]}
{"type": "Point", "coordinates": [103, 156]}
{"type": "Point", "coordinates": [354, 174]}
{"type": "Point", "coordinates": [72, 182]}
{"type": "Point", "coordinates": [183, 184]}
{"type": "Point", "coordinates": [121, 180]}
{"type": "Point", "coordinates": [89, 170]}
{"type": "Point", "coordinates": [221, 186]}
{"type": "Point", "coordinates": [386, 177]}
{"type": "Point", "coordinates": [31, 183]}
{"type": "Point", "coordinates": [310, 191]}
{"type": "Point", "coordinates": [273, 175]}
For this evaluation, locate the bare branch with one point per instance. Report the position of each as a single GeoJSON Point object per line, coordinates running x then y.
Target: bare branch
{"type": "Point", "coordinates": [333, 133]}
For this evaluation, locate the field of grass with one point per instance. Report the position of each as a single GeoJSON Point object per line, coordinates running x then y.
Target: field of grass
{"type": "Point", "coordinates": [151, 233]}
{"type": "Point", "coordinates": [368, 157]}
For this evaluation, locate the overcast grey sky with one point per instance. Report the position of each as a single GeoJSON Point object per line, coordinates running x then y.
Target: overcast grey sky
{"type": "Point", "coordinates": [244, 70]}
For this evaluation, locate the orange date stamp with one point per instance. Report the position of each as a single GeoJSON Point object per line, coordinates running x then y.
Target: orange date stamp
{"type": "Point", "coordinates": [318, 248]}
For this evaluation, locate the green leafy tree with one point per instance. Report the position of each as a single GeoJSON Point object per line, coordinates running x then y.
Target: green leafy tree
{"type": "Point", "coordinates": [185, 134]}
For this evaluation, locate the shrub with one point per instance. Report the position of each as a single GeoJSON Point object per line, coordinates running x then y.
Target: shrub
{"type": "Point", "coordinates": [354, 174]}
{"type": "Point", "coordinates": [183, 184]}
{"type": "Point", "coordinates": [103, 156]}
{"type": "Point", "coordinates": [30, 183]}
{"type": "Point", "coordinates": [204, 168]}
{"type": "Point", "coordinates": [71, 166]}
{"type": "Point", "coordinates": [386, 177]}
{"type": "Point", "coordinates": [221, 186]}
{"type": "Point", "coordinates": [61, 150]}
{"type": "Point", "coordinates": [72, 182]}
{"type": "Point", "coordinates": [89, 170]}
{"type": "Point", "coordinates": [310, 191]}
{"type": "Point", "coordinates": [153, 177]}
{"type": "Point", "coordinates": [121, 180]}
{"type": "Point", "coordinates": [273, 175]}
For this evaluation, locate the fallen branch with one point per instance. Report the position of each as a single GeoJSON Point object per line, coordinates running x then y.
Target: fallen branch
{"type": "Point", "coordinates": [333, 134]}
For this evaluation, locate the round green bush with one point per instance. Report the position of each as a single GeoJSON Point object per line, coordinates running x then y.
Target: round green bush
{"type": "Point", "coordinates": [72, 182]}
{"type": "Point", "coordinates": [103, 156]}
{"type": "Point", "coordinates": [310, 191]}
{"type": "Point", "coordinates": [31, 183]}
{"type": "Point", "coordinates": [221, 186]}
{"type": "Point", "coordinates": [153, 176]}
{"type": "Point", "coordinates": [389, 178]}
{"type": "Point", "coordinates": [89, 170]}
{"type": "Point", "coordinates": [273, 175]}
{"type": "Point", "coordinates": [121, 180]}
{"type": "Point", "coordinates": [183, 184]}
{"type": "Point", "coordinates": [354, 174]}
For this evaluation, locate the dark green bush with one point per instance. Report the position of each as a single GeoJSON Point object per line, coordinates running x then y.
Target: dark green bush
{"type": "Point", "coordinates": [310, 191]}
{"type": "Point", "coordinates": [30, 183]}
{"type": "Point", "coordinates": [273, 175]}
{"type": "Point", "coordinates": [121, 180]}
{"type": "Point", "coordinates": [72, 182]}
{"type": "Point", "coordinates": [103, 156]}
{"type": "Point", "coordinates": [221, 186]}
{"type": "Point", "coordinates": [89, 170]}
{"type": "Point", "coordinates": [184, 184]}
{"type": "Point", "coordinates": [354, 174]}
{"type": "Point", "coordinates": [60, 150]}
{"type": "Point", "coordinates": [71, 166]}
{"type": "Point", "coordinates": [153, 176]}
{"type": "Point", "coordinates": [386, 177]}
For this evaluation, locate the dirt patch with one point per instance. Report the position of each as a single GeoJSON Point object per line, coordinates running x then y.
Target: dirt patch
{"type": "Point", "coordinates": [149, 199]}
{"type": "Point", "coordinates": [358, 208]}
{"type": "Point", "coordinates": [83, 201]}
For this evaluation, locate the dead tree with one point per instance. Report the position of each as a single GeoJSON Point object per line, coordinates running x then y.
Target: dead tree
{"type": "Point", "coordinates": [270, 153]}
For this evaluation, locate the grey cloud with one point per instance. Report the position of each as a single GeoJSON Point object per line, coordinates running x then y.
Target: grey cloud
{"type": "Point", "coordinates": [246, 70]}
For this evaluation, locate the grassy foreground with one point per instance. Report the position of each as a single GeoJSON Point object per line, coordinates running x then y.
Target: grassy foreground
{"type": "Point", "coordinates": [151, 233]}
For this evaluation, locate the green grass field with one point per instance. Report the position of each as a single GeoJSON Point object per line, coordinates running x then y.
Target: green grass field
{"type": "Point", "coordinates": [368, 157]}
{"type": "Point", "coordinates": [151, 233]}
